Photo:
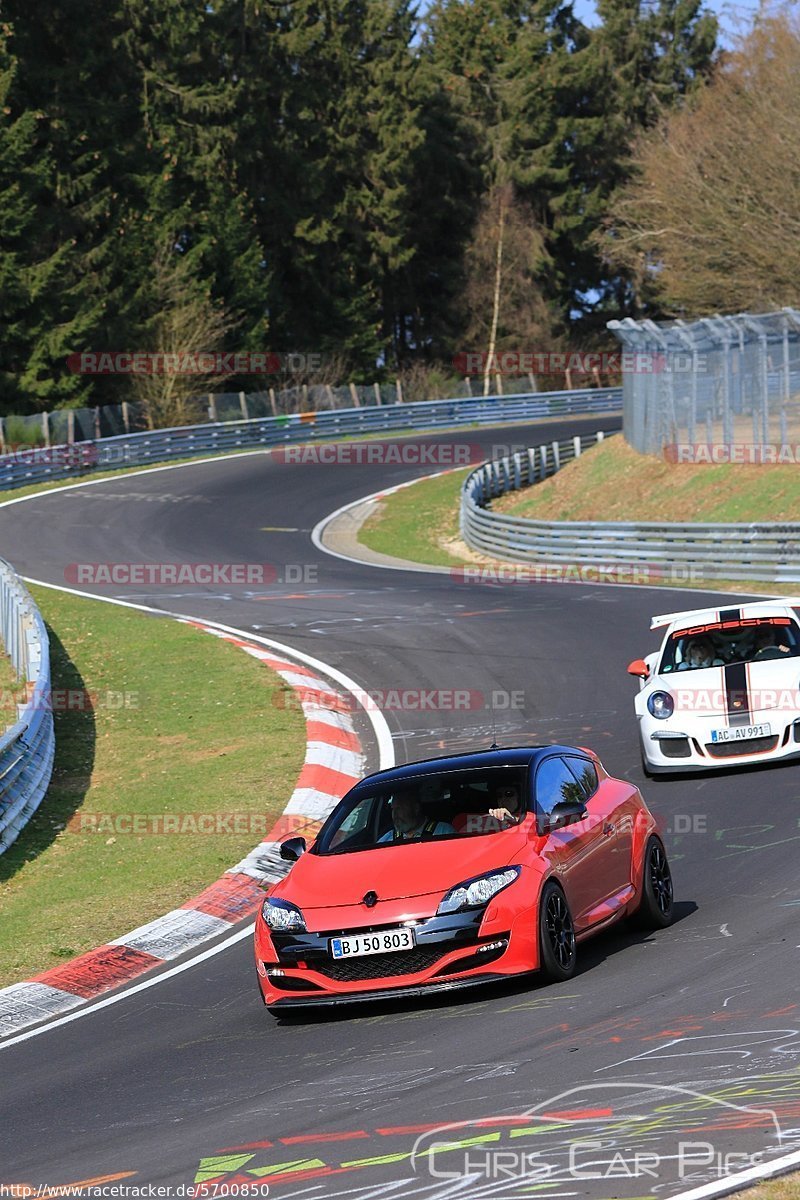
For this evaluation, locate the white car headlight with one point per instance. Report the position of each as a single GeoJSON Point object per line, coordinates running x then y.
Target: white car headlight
{"type": "Point", "coordinates": [660, 705]}
{"type": "Point", "coordinates": [282, 916]}
{"type": "Point", "coordinates": [474, 893]}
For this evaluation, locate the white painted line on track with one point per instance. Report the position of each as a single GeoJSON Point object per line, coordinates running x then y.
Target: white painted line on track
{"type": "Point", "coordinates": [319, 529]}
{"type": "Point", "coordinates": [133, 989]}
{"type": "Point", "coordinates": [386, 759]}
{"type": "Point", "coordinates": [123, 474]}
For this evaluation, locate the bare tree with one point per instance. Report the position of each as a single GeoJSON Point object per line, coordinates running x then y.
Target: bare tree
{"type": "Point", "coordinates": [711, 221]}
{"type": "Point", "coordinates": [187, 329]}
{"type": "Point", "coordinates": [505, 306]}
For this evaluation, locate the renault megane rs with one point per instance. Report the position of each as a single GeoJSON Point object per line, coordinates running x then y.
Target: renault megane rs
{"type": "Point", "coordinates": [455, 871]}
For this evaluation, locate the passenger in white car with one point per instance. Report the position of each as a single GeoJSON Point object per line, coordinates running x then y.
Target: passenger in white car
{"type": "Point", "coordinates": [699, 653]}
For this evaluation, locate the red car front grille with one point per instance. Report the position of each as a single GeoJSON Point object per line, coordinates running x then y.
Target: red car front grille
{"type": "Point", "coordinates": [377, 966]}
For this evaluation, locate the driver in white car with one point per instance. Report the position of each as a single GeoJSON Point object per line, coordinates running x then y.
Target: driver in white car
{"type": "Point", "coordinates": [766, 644]}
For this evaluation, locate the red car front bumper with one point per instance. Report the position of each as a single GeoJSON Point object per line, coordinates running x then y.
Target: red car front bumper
{"type": "Point", "coordinates": [454, 950]}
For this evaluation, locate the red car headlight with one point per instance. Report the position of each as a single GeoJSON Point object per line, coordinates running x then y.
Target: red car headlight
{"type": "Point", "coordinates": [475, 893]}
{"type": "Point", "coordinates": [282, 916]}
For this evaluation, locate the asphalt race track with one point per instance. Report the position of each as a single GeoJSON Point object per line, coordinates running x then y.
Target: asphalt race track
{"type": "Point", "coordinates": [667, 1062]}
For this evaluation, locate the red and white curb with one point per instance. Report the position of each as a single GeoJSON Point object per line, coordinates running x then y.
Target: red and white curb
{"type": "Point", "coordinates": [333, 763]}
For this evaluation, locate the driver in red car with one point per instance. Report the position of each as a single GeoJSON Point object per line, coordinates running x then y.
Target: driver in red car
{"type": "Point", "coordinates": [409, 821]}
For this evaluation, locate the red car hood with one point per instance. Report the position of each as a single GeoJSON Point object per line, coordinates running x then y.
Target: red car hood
{"type": "Point", "coordinates": [397, 872]}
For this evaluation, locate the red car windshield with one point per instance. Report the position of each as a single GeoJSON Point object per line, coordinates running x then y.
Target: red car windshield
{"type": "Point", "coordinates": [721, 643]}
{"type": "Point", "coordinates": [450, 804]}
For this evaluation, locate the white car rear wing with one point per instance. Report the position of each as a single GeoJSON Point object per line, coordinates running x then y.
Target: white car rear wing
{"type": "Point", "coordinates": [709, 613]}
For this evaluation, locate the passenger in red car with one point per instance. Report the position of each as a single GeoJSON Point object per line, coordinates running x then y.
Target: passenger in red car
{"type": "Point", "coordinates": [506, 810]}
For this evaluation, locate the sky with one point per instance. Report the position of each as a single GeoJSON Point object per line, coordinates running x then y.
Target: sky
{"type": "Point", "coordinates": [735, 16]}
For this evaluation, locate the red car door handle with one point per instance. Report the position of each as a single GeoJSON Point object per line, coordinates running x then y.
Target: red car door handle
{"type": "Point", "coordinates": [607, 830]}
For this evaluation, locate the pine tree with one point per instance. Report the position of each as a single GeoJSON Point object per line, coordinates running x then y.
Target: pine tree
{"type": "Point", "coordinates": [64, 256]}
{"type": "Point", "coordinates": [186, 180]}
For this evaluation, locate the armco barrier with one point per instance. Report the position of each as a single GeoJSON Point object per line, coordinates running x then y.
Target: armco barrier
{"type": "Point", "coordinates": [27, 748]}
{"type": "Point", "coordinates": [763, 552]}
{"type": "Point", "coordinates": [38, 465]}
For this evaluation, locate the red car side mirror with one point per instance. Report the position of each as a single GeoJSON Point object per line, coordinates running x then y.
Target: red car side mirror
{"type": "Point", "coordinates": [639, 667]}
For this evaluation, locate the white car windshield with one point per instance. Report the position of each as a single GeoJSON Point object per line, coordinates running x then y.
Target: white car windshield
{"type": "Point", "coordinates": [720, 644]}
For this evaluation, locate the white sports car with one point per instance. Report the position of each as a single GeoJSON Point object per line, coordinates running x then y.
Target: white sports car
{"type": "Point", "coordinates": [723, 690]}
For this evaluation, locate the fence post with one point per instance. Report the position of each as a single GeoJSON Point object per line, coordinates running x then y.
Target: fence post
{"type": "Point", "coordinates": [576, 446]}
{"type": "Point", "coordinates": [599, 436]}
{"type": "Point", "coordinates": [399, 391]}
{"type": "Point", "coordinates": [354, 394]}
{"type": "Point", "coordinates": [273, 403]}
{"type": "Point", "coordinates": [97, 424]}
{"type": "Point", "coordinates": [2, 435]}
{"type": "Point", "coordinates": [556, 457]}
{"type": "Point", "coordinates": [46, 427]}
{"type": "Point", "coordinates": [304, 401]}
{"type": "Point", "coordinates": [534, 384]}
{"type": "Point", "coordinates": [71, 425]}
{"type": "Point", "coordinates": [126, 416]}
{"type": "Point", "coordinates": [499, 382]}
{"type": "Point", "coordinates": [377, 388]}
{"type": "Point", "coordinates": [243, 406]}
{"type": "Point", "coordinates": [212, 407]}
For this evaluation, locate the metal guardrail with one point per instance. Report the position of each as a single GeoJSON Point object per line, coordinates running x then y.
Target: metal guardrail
{"type": "Point", "coordinates": [74, 461]}
{"type": "Point", "coordinates": [761, 552]}
{"type": "Point", "coordinates": [28, 746]}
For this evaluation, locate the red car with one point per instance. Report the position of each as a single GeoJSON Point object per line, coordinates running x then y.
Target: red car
{"type": "Point", "coordinates": [456, 871]}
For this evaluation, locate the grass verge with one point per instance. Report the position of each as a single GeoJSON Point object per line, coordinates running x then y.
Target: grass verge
{"type": "Point", "coordinates": [787, 1188]}
{"type": "Point", "coordinates": [12, 691]}
{"type": "Point", "coordinates": [613, 482]}
{"type": "Point", "coordinates": [164, 719]}
{"type": "Point", "coordinates": [610, 482]}
{"type": "Point", "coordinates": [420, 522]}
